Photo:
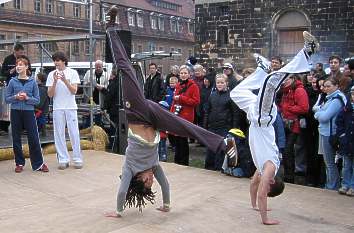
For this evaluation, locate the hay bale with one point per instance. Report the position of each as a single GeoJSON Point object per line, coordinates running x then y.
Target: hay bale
{"type": "Point", "coordinates": [49, 149]}
{"type": "Point", "coordinates": [86, 145]}
{"type": "Point", "coordinates": [86, 131]}
{"type": "Point", "coordinates": [100, 138]}
{"type": "Point", "coordinates": [6, 154]}
{"type": "Point", "coordinates": [99, 143]}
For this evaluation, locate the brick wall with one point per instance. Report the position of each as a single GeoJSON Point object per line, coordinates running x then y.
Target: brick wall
{"type": "Point", "coordinates": [250, 24]}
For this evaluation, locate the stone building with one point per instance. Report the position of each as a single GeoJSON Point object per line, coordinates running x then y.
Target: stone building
{"type": "Point", "coordinates": [155, 25]}
{"type": "Point", "coordinates": [48, 18]}
{"type": "Point", "coordinates": [231, 31]}
{"type": "Point", "coordinates": [166, 25]}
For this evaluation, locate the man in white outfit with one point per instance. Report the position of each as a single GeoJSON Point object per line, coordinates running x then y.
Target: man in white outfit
{"type": "Point", "coordinates": [62, 86]}
{"type": "Point", "coordinates": [261, 112]}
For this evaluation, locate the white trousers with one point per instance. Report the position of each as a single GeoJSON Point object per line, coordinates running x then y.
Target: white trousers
{"type": "Point", "coordinates": [62, 118]}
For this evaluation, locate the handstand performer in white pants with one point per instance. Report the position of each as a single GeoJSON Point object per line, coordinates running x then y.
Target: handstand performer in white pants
{"type": "Point", "coordinates": [261, 112]}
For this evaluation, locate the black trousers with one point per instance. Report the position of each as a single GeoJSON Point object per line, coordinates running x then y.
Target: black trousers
{"type": "Point", "coordinates": [182, 151]}
{"type": "Point", "coordinates": [25, 119]}
{"type": "Point", "coordinates": [142, 111]}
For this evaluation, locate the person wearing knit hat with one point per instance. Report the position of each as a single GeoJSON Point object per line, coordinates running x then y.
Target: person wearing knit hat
{"type": "Point", "coordinates": [233, 78]}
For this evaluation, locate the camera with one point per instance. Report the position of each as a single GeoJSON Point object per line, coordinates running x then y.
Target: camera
{"type": "Point", "coordinates": [178, 109]}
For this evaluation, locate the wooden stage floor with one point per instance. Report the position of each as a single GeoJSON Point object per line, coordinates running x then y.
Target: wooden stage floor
{"type": "Point", "coordinates": [202, 201]}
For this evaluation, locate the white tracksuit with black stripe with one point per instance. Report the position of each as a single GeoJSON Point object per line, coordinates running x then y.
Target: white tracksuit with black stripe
{"type": "Point", "coordinates": [261, 109]}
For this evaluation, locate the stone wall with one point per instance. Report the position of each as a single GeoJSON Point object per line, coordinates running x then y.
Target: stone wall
{"type": "Point", "coordinates": [250, 24]}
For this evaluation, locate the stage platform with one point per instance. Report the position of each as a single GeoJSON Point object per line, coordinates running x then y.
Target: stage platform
{"type": "Point", "coordinates": [202, 201]}
{"type": "Point", "coordinates": [6, 140]}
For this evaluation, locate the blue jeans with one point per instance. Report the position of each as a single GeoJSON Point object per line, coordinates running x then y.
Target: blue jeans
{"type": "Point", "coordinates": [348, 171]}
{"type": "Point", "coordinates": [332, 174]}
{"type": "Point", "coordinates": [162, 150]}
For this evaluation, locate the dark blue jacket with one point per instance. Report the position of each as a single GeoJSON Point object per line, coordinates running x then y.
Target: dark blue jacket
{"type": "Point", "coordinates": [345, 129]}
{"type": "Point", "coordinates": [30, 88]}
{"type": "Point", "coordinates": [221, 111]}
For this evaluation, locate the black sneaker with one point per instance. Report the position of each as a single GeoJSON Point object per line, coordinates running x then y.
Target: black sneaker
{"type": "Point", "coordinates": [111, 16]}
{"type": "Point", "coordinates": [262, 62]}
{"type": "Point", "coordinates": [311, 43]}
{"type": "Point", "coordinates": [231, 152]}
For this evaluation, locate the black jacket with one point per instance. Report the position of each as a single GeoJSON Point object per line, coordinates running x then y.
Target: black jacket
{"type": "Point", "coordinates": [44, 99]}
{"type": "Point", "coordinates": [154, 88]}
{"type": "Point", "coordinates": [221, 111]}
{"type": "Point", "coordinates": [111, 99]}
{"type": "Point", "coordinates": [345, 129]}
{"type": "Point", "coordinates": [7, 65]}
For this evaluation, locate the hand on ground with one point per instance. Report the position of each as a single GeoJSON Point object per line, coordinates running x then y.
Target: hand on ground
{"type": "Point", "coordinates": [112, 215]}
{"type": "Point", "coordinates": [163, 209]}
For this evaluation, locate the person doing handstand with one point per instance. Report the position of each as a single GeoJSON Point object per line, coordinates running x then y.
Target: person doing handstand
{"type": "Point", "coordinates": [261, 112]}
{"type": "Point", "coordinates": [145, 119]}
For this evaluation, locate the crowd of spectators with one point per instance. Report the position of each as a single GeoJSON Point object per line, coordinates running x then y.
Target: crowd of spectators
{"type": "Point", "coordinates": [308, 106]}
{"type": "Point", "coordinates": [314, 126]}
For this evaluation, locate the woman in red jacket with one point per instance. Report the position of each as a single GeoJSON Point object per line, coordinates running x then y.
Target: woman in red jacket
{"type": "Point", "coordinates": [186, 98]}
{"type": "Point", "coordinates": [294, 105]}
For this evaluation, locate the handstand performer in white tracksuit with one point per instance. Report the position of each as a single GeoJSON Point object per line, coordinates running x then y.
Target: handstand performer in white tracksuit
{"type": "Point", "coordinates": [261, 112]}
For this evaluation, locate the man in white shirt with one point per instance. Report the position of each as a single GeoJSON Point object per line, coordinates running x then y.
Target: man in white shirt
{"type": "Point", "coordinates": [62, 87]}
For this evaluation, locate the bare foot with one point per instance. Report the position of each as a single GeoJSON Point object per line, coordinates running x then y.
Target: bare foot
{"type": "Point", "coordinates": [163, 209]}
{"type": "Point", "coordinates": [112, 215]}
{"type": "Point", "coordinates": [271, 222]}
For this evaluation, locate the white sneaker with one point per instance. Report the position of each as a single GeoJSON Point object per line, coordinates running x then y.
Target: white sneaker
{"type": "Point", "coordinates": [262, 62]}
{"type": "Point", "coordinates": [63, 166]}
{"type": "Point", "coordinates": [311, 43]}
{"type": "Point", "coordinates": [78, 165]}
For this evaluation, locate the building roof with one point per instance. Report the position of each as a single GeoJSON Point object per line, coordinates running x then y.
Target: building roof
{"type": "Point", "coordinates": [210, 1]}
{"type": "Point", "coordinates": [187, 9]}
{"type": "Point", "coordinates": [52, 21]}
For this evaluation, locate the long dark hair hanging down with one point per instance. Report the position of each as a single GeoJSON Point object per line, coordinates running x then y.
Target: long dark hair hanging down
{"type": "Point", "coordinates": [138, 196]}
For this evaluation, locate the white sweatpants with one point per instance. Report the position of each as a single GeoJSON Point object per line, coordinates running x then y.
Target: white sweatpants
{"type": "Point", "coordinates": [263, 146]}
{"type": "Point", "coordinates": [62, 118]}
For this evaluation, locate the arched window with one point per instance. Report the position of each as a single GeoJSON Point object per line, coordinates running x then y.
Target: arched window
{"type": "Point", "coordinates": [287, 33]}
